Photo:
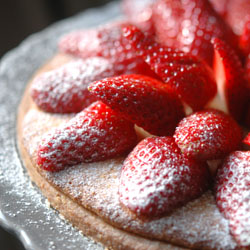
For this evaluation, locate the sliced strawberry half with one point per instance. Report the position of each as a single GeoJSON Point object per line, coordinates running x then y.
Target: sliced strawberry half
{"type": "Point", "coordinates": [189, 26]}
{"type": "Point", "coordinates": [232, 85]}
{"type": "Point", "coordinates": [232, 192]}
{"type": "Point", "coordinates": [64, 90]}
{"type": "Point", "coordinates": [95, 134]}
{"type": "Point", "coordinates": [143, 100]}
{"type": "Point", "coordinates": [108, 42]}
{"type": "Point", "coordinates": [208, 135]}
{"type": "Point", "coordinates": [157, 178]}
{"type": "Point", "coordinates": [192, 79]}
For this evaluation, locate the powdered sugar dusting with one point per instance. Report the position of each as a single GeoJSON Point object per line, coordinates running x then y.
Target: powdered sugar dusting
{"type": "Point", "coordinates": [233, 194]}
{"type": "Point", "coordinates": [64, 90]}
{"type": "Point", "coordinates": [157, 178]}
{"type": "Point", "coordinates": [97, 133]}
{"type": "Point", "coordinates": [22, 207]}
{"type": "Point", "coordinates": [208, 134]}
{"type": "Point", "coordinates": [95, 186]}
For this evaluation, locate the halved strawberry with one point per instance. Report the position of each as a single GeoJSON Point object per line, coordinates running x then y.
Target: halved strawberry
{"type": "Point", "coordinates": [157, 178]}
{"type": "Point", "coordinates": [142, 100]}
{"type": "Point", "coordinates": [245, 38]}
{"type": "Point", "coordinates": [64, 90]}
{"type": "Point", "coordinates": [189, 26]}
{"type": "Point", "coordinates": [108, 42]}
{"type": "Point", "coordinates": [232, 192]}
{"type": "Point", "coordinates": [207, 135]}
{"type": "Point", "coordinates": [191, 78]}
{"type": "Point", "coordinates": [95, 134]}
{"type": "Point", "coordinates": [232, 85]}
{"type": "Point", "coordinates": [139, 12]}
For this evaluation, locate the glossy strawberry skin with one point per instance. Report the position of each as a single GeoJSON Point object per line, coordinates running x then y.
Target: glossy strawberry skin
{"type": "Point", "coordinates": [208, 135]}
{"type": "Point", "coordinates": [156, 178]}
{"type": "Point", "coordinates": [64, 90]}
{"type": "Point", "coordinates": [142, 100]}
{"type": "Point", "coordinates": [189, 26]}
{"type": "Point", "coordinates": [232, 193]}
{"type": "Point", "coordinates": [108, 42]}
{"type": "Point", "coordinates": [97, 133]}
{"type": "Point", "coordinates": [191, 78]}
{"type": "Point", "coordinates": [231, 80]}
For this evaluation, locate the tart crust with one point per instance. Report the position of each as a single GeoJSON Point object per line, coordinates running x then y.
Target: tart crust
{"type": "Point", "coordinates": [86, 195]}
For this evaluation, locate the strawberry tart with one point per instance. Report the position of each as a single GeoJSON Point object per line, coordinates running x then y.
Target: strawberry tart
{"type": "Point", "coordinates": [137, 131]}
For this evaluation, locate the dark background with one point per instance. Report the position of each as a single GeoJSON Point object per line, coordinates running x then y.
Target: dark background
{"type": "Point", "coordinates": [20, 18]}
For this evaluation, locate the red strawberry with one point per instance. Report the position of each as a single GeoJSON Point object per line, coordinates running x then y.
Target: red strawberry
{"type": "Point", "coordinates": [237, 15]}
{"type": "Point", "coordinates": [107, 42]}
{"type": "Point", "coordinates": [157, 178]}
{"type": "Point", "coordinates": [142, 100]}
{"type": "Point", "coordinates": [64, 90]}
{"type": "Point", "coordinates": [247, 139]}
{"type": "Point", "coordinates": [189, 26]}
{"type": "Point", "coordinates": [233, 194]}
{"type": "Point", "coordinates": [245, 38]}
{"type": "Point", "coordinates": [139, 12]}
{"type": "Point", "coordinates": [95, 134]}
{"type": "Point", "coordinates": [189, 77]}
{"type": "Point", "coordinates": [80, 43]}
{"type": "Point", "coordinates": [207, 135]}
{"type": "Point", "coordinates": [232, 85]}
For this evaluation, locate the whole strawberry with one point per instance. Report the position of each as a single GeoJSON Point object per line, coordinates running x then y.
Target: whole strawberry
{"type": "Point", "coordinates": [207, 135]}
{"type": "Point", "coordinates": [95, 134]}
{"type": "Point", "coordinates": [108, 42]}
{"type": "Point", "coordinates": [192, 79]}
{"type": "Point", "coordinates": [143, 100]}
{"type": "Point", "coordinates": [189, 26]}
{"type": "Point", "coordinates": [231, 81]}
{"type": "Point", "coordinates": [64, 90]}
{"type": "Point", "coordinates": [232, 191]}
{"type": "Point", "coordinates": [157, 178]}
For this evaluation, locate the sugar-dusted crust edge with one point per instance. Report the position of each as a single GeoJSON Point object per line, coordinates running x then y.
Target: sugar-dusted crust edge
{"type": "Point", "coordinates": [86, 221]}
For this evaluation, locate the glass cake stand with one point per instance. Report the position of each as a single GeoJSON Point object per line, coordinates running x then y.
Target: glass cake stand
{"type": "Point", "coordinates": [23, 209]}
